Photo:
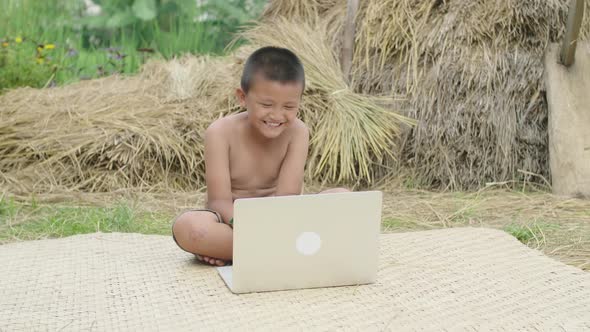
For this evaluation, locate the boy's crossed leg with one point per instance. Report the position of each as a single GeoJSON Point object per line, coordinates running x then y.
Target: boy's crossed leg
{"type": "Point", "coordinates": [202, 233]}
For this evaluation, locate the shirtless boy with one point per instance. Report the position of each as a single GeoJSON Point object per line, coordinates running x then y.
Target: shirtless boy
{"type": "Point", "coordinates": [257, 153]}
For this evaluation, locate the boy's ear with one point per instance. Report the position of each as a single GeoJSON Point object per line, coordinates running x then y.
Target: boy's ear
{"type": "Point", "coordinates": [241, 95]}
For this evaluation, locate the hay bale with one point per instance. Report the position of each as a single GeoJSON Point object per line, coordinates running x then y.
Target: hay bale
{"type": "Point", "coordinates": [298, 10]}
{"type": "Point", "coordinates": [471, 72]}
{"type": "Point", "coordinates": [110, 133]}
{"type": "Point", "coordinates": [328, 13]}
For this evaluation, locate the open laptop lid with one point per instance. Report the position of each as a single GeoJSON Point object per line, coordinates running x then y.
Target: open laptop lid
{"type": "Point", "coordinates": [305, 241]}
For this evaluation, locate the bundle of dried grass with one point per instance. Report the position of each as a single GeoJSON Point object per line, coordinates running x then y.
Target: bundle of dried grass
{"type": "Point", "coordinates": [328, 13]}
{"type": "Point", "coordinates": [303, 9]}
{"type": "Point", "coordinates": [101, 135]}
{"type": "Point", "coordinates": [471, 72]}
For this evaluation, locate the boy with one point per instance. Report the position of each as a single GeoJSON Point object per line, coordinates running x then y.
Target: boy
{"type": "Point", "coordinates": [257, 153]}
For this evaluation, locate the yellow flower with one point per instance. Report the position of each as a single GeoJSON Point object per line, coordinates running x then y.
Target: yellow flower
{"type": "Point", "coordinates": [4, 44]}
{"type": "Point", "coordinates": [39, 48]}
{"type": "Point", "coordinates": [49, 46]}
{"type": "Point", "coordinates": [18, 40]}
{"type": "Point", "coordinates": [40, 61]}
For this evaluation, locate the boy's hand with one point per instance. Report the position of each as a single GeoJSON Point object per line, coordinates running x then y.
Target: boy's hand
{"type": "Point", "coordinates": [211, 261]}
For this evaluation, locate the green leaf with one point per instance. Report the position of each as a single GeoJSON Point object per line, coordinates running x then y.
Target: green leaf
{"type": "Point", "coordinates": [229, 10]}
{"type": "Point", "coordinates": [121, 19]}
{"type": "Point", "coordinates": [169, 8]}
{"type": "Point", "coordinates": [145, 9]}
{"type": "Point", "coordinates": [94, 22]}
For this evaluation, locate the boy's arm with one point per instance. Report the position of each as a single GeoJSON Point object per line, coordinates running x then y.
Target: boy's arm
{"type": "Point", "coordinates": [219, 195]}
{"type": "Point", "coordinates": [291, 174]}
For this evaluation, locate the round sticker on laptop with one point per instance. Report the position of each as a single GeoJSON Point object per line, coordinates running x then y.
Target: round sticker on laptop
{"type": "Point", "coordinates": [308, 243]}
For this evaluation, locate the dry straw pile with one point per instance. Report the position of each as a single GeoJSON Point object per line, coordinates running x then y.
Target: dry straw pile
{"type": "Point", "coordinates": [101, 135]}
{"type": "Point", "coordinates": [471, 72]}
{"type": "Point", "coordinates": [145, 132]}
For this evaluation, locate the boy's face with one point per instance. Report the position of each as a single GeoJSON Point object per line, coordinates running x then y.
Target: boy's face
{"type": "Point", "coordinates": [271, 105]}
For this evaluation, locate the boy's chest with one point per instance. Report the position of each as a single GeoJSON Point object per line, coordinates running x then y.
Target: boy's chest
{"type": "Point", "coordinates": [255, 164]}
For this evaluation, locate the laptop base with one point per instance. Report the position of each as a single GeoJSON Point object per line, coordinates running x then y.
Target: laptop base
{"type": "Point", "coordinates": [226, 273]}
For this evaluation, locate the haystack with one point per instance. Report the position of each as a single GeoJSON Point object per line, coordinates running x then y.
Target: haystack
{"type": "Point", "coordinates": [471, 73]}
{"type": "Point", "coordinates": [145, 132]}
{"type": "Point", "coordinates": [104, 134]}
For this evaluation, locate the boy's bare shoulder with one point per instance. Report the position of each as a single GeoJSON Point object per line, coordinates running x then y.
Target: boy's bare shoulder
{"type": "Point", "coordinates": [299, 130]}
{"type": "Point", "coordinates": [221, 127]}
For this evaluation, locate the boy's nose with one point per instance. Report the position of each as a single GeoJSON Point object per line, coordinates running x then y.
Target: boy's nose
{"type": "Point", "coordinates": [276, 115]}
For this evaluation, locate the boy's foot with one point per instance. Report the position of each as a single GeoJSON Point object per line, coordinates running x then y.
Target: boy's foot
{"type": "Point", "coordinates": [211, 261]}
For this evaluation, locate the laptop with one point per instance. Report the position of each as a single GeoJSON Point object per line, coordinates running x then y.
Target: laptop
{"type": "Point", "coordinates": [304, 241]}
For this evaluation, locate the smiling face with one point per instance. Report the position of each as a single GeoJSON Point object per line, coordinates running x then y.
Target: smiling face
{"type": "Point", "coordinates": [272, 105]}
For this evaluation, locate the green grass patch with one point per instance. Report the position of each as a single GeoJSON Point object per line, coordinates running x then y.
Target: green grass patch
{"type": "Point", "coordinates": [527, 234]}
{"type": "Point", "coordinates": [8, 208]}
{"type": "Point", "coordinates": [29, 221]}
{"type": "Point", "coordinates": [389, 224]}
{"type": "Point", "coordinates": [522, 233]}
{"type": "Point", "coordinates": [393, 223]}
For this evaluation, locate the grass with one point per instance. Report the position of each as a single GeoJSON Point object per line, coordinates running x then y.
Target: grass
{"type": "Point", "coordinates": [81, 50]}
{"type": "Point", "coordinates": [30, 221]}
{"type": "Point", "coordinates": [393, 224]}
{"type": "Point", "coordinates": [528, 234]}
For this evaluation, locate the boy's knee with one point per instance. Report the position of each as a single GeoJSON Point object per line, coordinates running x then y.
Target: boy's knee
{"type": "Point", "coordinates": [196, 233]}
{"type": "Point", "coordinates": [195, 217]}
{"type": "Point", "coordinates": [192, 225]}
{"type": "Point", "coordinates": [335, 190]}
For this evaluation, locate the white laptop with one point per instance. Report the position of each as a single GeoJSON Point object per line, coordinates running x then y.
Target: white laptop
{"type": "Point", "coordinates": [304, 241]}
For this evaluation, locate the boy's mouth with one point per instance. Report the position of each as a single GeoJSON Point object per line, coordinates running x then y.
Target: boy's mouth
{"type": "Point", "coordinates": [273, 124]}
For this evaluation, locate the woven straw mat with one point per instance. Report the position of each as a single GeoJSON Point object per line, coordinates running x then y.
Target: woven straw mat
{"type": "Point", "coordinates": [452, 279]}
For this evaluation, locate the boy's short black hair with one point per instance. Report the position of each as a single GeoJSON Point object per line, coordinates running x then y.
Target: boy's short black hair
{"type": "Point", "coordinates": [274, 63]}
